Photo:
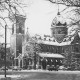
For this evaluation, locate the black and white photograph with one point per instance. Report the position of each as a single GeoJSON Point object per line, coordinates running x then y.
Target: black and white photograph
{"type": "Point", "coordinates": [39, 39]}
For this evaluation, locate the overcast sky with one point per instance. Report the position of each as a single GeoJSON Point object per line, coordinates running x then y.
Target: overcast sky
{"type": "Point", "coordinates": [40, 14]}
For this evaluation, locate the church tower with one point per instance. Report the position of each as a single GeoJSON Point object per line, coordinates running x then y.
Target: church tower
{"type": "Point", "coordinates": [18, 32]}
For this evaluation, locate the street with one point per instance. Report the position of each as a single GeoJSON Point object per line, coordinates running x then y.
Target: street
{"type": "Point", "coordinates": [42, 75]}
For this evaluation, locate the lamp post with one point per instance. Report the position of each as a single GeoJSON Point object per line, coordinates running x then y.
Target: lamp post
{"type": "Point", "coordinates": [5, 49]}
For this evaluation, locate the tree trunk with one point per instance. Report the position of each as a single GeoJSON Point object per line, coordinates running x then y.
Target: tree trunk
{"type": "Point", "coordinates": [35, 60]}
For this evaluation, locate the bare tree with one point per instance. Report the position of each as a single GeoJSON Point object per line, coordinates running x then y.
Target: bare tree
{"type": "Point", "coordinates": [71, 13]}
{"type": "Point", "coordinates": [8, 11]}
{"type": "Point", "coordinates": [71, 3]}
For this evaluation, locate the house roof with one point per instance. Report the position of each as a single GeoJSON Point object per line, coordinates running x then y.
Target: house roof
{"type": "Point", "coordinates": [51, 55]}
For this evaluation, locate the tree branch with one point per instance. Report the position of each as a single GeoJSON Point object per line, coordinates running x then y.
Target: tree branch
{"type": "Point", "coordinates": [70, 3]}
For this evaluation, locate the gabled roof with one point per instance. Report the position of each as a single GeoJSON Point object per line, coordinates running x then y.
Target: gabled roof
{"type": "Point", "coordinates": [76, 39]}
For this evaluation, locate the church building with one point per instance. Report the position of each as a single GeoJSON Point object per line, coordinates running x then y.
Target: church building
{"type": "Point", "coordinates": [56, 49]}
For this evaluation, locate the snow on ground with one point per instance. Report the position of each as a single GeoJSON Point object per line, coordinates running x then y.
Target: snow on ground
{"type": "Point", "coordinates": [12, 76]}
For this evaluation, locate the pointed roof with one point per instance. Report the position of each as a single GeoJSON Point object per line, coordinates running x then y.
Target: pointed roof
{"type": "Point", "coordinates": [59, 20]}
{"type": "Point", "coordinates": [27, 35]}
{"type": "Point", "coordinates": [76, 39]}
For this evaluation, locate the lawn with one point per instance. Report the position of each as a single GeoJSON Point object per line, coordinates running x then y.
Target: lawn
{"type": "Point", "coordinates": [46, 75]}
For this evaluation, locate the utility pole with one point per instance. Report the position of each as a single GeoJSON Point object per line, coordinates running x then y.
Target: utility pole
{"type": "Point", "coordinates": [5, 49]}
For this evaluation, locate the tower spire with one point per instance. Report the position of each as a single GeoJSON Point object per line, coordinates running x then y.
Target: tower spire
{"type": "Point", "coordinates": [27, 35]}
{"type": "Point", "coordinates": [27, 29]}
{"type": "Point", "coordinates": [58, 10]}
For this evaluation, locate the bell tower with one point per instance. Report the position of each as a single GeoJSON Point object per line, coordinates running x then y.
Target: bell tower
{"type": "Point", "coordinates": [18, 32]}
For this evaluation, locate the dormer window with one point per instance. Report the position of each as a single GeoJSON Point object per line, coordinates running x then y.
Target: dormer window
{"type": "Point", "coordinates": [61, 24]}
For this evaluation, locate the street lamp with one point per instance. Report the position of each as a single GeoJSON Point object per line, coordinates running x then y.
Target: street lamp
{"type": "Point", "coordinates": [5, 49]}
{"type": "Point", "coordinates": [5, 43]}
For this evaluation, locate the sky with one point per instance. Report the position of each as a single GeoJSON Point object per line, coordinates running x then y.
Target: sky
{"type": "Point", "coordinates": [39, 16]}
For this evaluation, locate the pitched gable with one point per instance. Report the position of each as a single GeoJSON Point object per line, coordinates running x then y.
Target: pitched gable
{"type": "Point", "coordinates": [76, 39]}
